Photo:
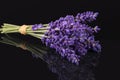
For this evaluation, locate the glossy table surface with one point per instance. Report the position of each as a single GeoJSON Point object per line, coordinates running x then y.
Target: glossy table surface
{"type": "Point", "coordinates": [17, 62]}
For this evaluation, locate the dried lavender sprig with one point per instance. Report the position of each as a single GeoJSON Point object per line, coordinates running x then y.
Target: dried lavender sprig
{"type": "Point", "coordinates": [87, 16]}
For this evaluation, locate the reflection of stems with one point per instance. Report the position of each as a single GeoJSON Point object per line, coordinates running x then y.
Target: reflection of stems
{"type": "Point", "coordinates": [0, 30]}
{"type": "Point", "coordinates": [38, 53]}
{"type": "Point", "coordinates": [8, 40]}
{"type": "Point", "coordinates": [38, 50]}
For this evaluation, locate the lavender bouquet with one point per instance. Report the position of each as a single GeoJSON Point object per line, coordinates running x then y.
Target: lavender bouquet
{"type": "Point", "coordinates": [70, 36]}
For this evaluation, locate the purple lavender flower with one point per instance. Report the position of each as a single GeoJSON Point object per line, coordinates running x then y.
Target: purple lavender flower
{"type": "Point", "coordinates": [36, 26]}
{"type": "Point", "coordinates": [86, 16]}
{"type": "Point", "coordinates": [71, 37]}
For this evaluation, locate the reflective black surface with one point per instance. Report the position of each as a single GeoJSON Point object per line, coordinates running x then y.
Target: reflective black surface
{"type": "Point", "coordinates": [35, 60]}
{"type": "Point", "coordinates": [17, 63]}
{"type": "Point", "coordinates": [60, 68]}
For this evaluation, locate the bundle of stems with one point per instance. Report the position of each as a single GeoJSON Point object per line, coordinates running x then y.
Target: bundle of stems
{"type": "Point", "coordinates": [10, 28]}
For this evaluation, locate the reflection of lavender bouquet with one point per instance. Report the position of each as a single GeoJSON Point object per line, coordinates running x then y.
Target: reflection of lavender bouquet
{"type": "Point", "coordinates": [56, 63]}
{"type": "Point", "coordinates": [70, 36]}
{"type": "Point", "coordinates": [69, 71]}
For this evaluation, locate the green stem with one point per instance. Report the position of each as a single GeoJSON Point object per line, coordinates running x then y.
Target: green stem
{"type": "Point", "coordinates": [45, 25]}
{"type": "Point", "coordinates": [39, 36]}
{"type": "Point", "coordinates": [9, 25]}
{"type": "Point", "coordinates": [38, 31]}
{"type": "Point", "coordinates": [14, 31]}
{"type": "Point", "coordinates": [10, 28]}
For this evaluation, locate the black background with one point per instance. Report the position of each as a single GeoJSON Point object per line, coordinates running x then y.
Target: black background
{"type": "Point", "coordinates": [14, 65]}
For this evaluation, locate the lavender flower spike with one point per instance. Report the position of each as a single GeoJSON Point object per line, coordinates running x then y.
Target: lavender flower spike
{"type": "Point", "coordinates": [36, 26]}
{"type": "Point", "coordinates": [86, 16]}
